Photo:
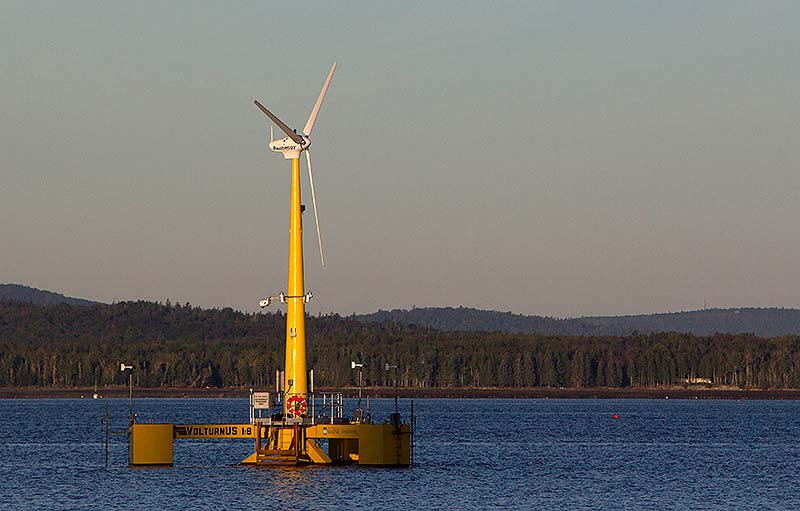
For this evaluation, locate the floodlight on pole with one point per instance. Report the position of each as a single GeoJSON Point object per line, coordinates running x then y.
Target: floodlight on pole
{"type": "Point", "coordinates": [360, 367]}
{"type": "Point", "coordinates": [388, 368]}
{"type": "Point", "coordinates": [123, 368]}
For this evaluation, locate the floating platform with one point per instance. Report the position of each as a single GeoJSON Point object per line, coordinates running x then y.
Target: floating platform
{"type": "Point", "coordinates": [279, 440]}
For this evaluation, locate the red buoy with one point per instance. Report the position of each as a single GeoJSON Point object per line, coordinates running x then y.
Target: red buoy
{"type": "Point", "coordinates": [616, 416]}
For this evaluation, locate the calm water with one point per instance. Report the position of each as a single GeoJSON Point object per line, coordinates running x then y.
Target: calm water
{"type": "Point", "coordinates": [470, 454]}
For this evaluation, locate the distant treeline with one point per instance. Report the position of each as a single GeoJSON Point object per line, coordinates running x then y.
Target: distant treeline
{"type": "Point", "coordinates": [180, 345]}
{"type": "Point", "coordinates": [765, 322]}
{"type": "Point", "coordinates": [22, 293]}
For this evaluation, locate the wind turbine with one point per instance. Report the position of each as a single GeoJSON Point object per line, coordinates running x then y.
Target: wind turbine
{"type": "Point", "coordinates": [295, 384]}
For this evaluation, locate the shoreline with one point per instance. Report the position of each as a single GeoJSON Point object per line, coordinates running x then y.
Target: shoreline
{"type": "Point", "coordinates": [691, 392]}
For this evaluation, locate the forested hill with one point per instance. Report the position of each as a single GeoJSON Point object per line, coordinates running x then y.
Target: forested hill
{"type": "Point", "coordinates": [20, 293]}
{"type": "Point", "coordinates": [763, 322]}
{"type": "Point", "coordinates": [179, 345]}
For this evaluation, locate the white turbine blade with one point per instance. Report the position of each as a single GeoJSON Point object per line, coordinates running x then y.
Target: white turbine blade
{"type": "Point", "coordinates": [286, 129]}
{"type": "Point", "coordinates": [314, 201]}
{"type": "Point", "coordinates": [318, 105]}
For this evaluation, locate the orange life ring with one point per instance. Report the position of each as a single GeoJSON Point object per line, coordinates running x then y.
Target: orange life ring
{"type": "Point", "coordinates": [296, 405]}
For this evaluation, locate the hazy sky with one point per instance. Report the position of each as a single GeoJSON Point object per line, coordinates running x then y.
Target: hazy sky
{"type": "Point", "coordinates": [556, 158]}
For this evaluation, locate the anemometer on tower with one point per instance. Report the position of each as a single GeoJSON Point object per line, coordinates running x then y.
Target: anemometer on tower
{"type": "Point", "coordinates": [286, 427]}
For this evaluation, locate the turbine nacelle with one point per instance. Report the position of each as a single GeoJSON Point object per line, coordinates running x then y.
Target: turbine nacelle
{"type": "Point", "coordinates": [288, 147]}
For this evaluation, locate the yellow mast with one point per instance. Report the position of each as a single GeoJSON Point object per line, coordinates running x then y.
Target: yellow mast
{"type": "Point", "coordinates": [296, 378]}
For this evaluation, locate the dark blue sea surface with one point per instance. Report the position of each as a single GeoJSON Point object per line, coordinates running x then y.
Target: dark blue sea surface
{"type": "Point", "coordinates": [470, 454]}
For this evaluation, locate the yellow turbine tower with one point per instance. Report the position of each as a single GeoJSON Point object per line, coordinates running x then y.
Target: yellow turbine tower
{"type": "Point", "coordinates": [295, 381]}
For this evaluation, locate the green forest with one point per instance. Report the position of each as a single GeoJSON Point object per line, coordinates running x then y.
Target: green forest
{"type": "Point", "coordinates": [184, 346]}
{"type": "Point", "coordinates": [765, 322]}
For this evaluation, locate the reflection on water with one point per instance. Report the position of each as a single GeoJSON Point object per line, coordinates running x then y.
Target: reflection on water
{"type": "Point", "coordinates": [284, 484]}
{"type": "Point", "coordinates": [470, 454]}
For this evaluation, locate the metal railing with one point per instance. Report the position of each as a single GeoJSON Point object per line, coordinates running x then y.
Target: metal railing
{"type": "Point", "coordinates": [267, 408]}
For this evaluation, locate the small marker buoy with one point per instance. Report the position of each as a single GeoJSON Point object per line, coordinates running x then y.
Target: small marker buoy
{"type": "Point", "coordinates": [616, 416]}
